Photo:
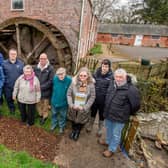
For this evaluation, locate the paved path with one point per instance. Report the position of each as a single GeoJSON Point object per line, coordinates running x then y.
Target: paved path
{"type": "Point", "coordinates": [145, 52]}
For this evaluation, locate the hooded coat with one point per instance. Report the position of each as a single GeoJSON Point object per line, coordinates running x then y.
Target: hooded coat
{"type": "Point", "coordinates": [121, 101]}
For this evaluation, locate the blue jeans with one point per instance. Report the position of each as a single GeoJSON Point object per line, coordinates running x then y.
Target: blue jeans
{"type": "Point", "coordinates": [59, 115]}
{"type": "Point", "coordinates": [113, 134]}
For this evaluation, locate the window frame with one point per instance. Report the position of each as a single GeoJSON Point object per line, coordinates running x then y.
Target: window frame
{"type": "Point", "coordinates": [155, 37]}
{"type": "Point", "coordinates": [114, 35]}
{"type": "Point", "coordinates": [129, 36]}
{"type": "Point", "coordinates": [12, 9]}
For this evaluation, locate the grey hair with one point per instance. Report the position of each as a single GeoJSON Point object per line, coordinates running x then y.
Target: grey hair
{"type": "Point", "coordinates": [27, 67]}
{"type": "Point", "coordinates": [61, 70]}
{"type": "Point", "coordinates": [120, 71]}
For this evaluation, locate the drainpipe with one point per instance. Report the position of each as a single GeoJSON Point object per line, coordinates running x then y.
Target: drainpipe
{"type": "Point", "coordinates": [80, 35]}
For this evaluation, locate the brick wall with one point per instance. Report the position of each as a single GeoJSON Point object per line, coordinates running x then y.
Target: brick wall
{"type": "Point", "coordinates": [63, 14]}
{"type": "Point", "coordinates": [147, 41]}
{"type": "Point", "coordinates": [89, 30]}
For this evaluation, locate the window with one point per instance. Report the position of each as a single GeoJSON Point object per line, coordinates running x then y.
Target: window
{"type": "Point", "coordinates": [128, 35]}
{"type": "Point", "coordinates": [155, 37]}
{"type": "Point", "coordinates": [114, 35]}
{"type": "Point", "coordinates": [17, 4]}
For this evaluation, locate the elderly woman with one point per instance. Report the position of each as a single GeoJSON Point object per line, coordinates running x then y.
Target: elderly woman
{"type": "Point", "coordinates": [81, 95]}
{"type": "Point", "coordinates": [27, 92]}
{"type": "Point", "coordinates": [59, 103]}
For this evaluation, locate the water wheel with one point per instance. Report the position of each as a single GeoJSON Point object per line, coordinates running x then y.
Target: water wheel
{"type": "Point", "coordinates": [32, 37]}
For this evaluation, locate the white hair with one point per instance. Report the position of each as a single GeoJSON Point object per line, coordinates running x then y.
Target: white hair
{"type": "Point", "coordinates": [61, 70]}
{"type": "Point", "coordinates": [26, 67]}
{"type": "Point", "coordinates": [120, 71]}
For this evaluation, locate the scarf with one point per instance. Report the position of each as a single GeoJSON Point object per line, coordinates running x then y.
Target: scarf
{"type": "Point", "coordinates": [83, 87]}
{"type": "Point", "coordinates": [30, 78]}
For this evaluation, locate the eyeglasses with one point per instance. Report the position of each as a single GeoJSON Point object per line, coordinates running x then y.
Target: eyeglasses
{"type": "Point", "coordinates": [83, 76]}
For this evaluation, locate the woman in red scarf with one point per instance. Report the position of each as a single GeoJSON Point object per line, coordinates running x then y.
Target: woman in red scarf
{"type": "Point", "coordinates": [27, 92]}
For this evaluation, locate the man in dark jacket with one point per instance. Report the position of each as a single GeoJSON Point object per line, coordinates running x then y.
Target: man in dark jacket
{"type": "Point", "coordinates": [12, 68]}
{"type": "Point", "coordinates": [122, 100]}
{"type": "Point", "coordinates": [102, 77]}
{"type": "Point", "coordinates": [45, 73]}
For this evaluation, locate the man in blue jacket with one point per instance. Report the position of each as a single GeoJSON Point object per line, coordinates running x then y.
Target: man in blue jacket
{"type": "Point", "coordinates": [12, 68]}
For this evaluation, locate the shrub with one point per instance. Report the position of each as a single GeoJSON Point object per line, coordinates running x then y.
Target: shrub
{"type": "Point", "coordinates": [97, 49]}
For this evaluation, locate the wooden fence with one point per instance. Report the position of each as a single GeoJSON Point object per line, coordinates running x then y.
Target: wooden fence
{"type": "Point", "coordinates": [141, 71]}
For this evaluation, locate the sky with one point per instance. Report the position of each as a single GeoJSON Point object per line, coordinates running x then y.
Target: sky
{"type": "Point", "coordinates": [123, 2]}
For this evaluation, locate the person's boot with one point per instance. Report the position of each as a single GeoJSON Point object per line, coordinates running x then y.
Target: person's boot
{"type": "Point", "coordinates": [42, 121]}
{"type": "Point", "coordinates": [100, 128]}
{"type": "Point", "coordinates": [12, 111]}
{"type": "Point", "coordinates": [72, 134]}
{"type": "Point", "coordinates": [76, 136]}
{"type": "Point", "coordinates": [90, 124]}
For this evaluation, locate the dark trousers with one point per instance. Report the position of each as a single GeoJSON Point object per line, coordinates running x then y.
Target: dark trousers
{"type": "Point", "coordinates": [8, 97]}
{"type": "Point", "coordinates": [27, 112]}
{"type": "Point", "coordinates": [76, 126]}
{"type": "Point", "coordinates": [97, 108]}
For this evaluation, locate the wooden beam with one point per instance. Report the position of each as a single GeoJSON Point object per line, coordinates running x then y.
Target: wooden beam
{"type": "Point", "coordinates": [36, 47]}
{"type": "Point", "coordinates": [18, 40]}
{"type": "Point", "coordinates": [4, 48]}
{"type": "Point", "coordinates": [7, 31]}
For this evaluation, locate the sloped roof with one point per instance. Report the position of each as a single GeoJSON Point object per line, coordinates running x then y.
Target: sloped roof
{"type": "Point", "coordinates": [139, 29]}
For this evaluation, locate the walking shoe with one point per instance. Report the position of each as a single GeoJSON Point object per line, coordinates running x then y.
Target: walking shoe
{"type": "Point", "coordinates": [89, 125]}
{"type": "Point", "coordinates": [102, 142]}
{"type": "Point", "coordinates": [61, 130]}
{"type": "Point", "coordinates": [42, 121]}
{"type": "Point", "coordinates": [100, 125]}
{"type": "Point", "coordinates": [107, 153]}
{"type": "Point", "coordinates": [76, 136]}
{"type": "Point", "coordinates": [52, 128]}
{"type": "Point", "coordinates": [71, 135]}
{"type": "Point", "coordinates": [12, 111]}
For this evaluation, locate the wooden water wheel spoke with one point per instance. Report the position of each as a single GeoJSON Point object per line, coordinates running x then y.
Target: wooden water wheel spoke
{"type": "Point", "coordinates": [18, 40]}
{"type": "Point", "coordinates": [36, 47]}
{"type": "Point", "coordinates": [4, 48]}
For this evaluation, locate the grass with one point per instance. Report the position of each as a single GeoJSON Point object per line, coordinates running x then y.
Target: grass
{"type": "Point", "coordinates": [11, 159]}
{"type": "Point", "coordinates": [5, 112]}
{"type": "Point", "coordinates": [97, 49]}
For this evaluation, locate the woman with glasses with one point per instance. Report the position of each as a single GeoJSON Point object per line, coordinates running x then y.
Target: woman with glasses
{"type": "Point", "coordinates": [81, 95]}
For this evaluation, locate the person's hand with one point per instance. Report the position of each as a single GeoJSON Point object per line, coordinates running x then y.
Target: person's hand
{"type": "Point", "coordinates": [14, 97]}
{"type": "Point", "coordinates": [80, 108]}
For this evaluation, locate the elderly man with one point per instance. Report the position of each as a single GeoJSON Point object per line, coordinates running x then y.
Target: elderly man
{"type": "Point", "coordinates": [45, 73]}
{"type": "Point", "coordinates": [12, 68]}
{"type": "Point", "coordinates": [122, 100]}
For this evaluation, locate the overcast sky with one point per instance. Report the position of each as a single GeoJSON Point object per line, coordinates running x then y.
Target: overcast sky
{"type": "Point", "coordinates": [123, 2]}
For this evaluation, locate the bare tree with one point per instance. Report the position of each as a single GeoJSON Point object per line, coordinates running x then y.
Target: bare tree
{"type": "Point", "coordinates": [124, 13]}
{"type": "Point", "coordinates": [103, 8]}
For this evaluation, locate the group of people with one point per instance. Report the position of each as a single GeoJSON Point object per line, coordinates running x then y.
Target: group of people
{"type": "Point", "coordinates": [79, 98]}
